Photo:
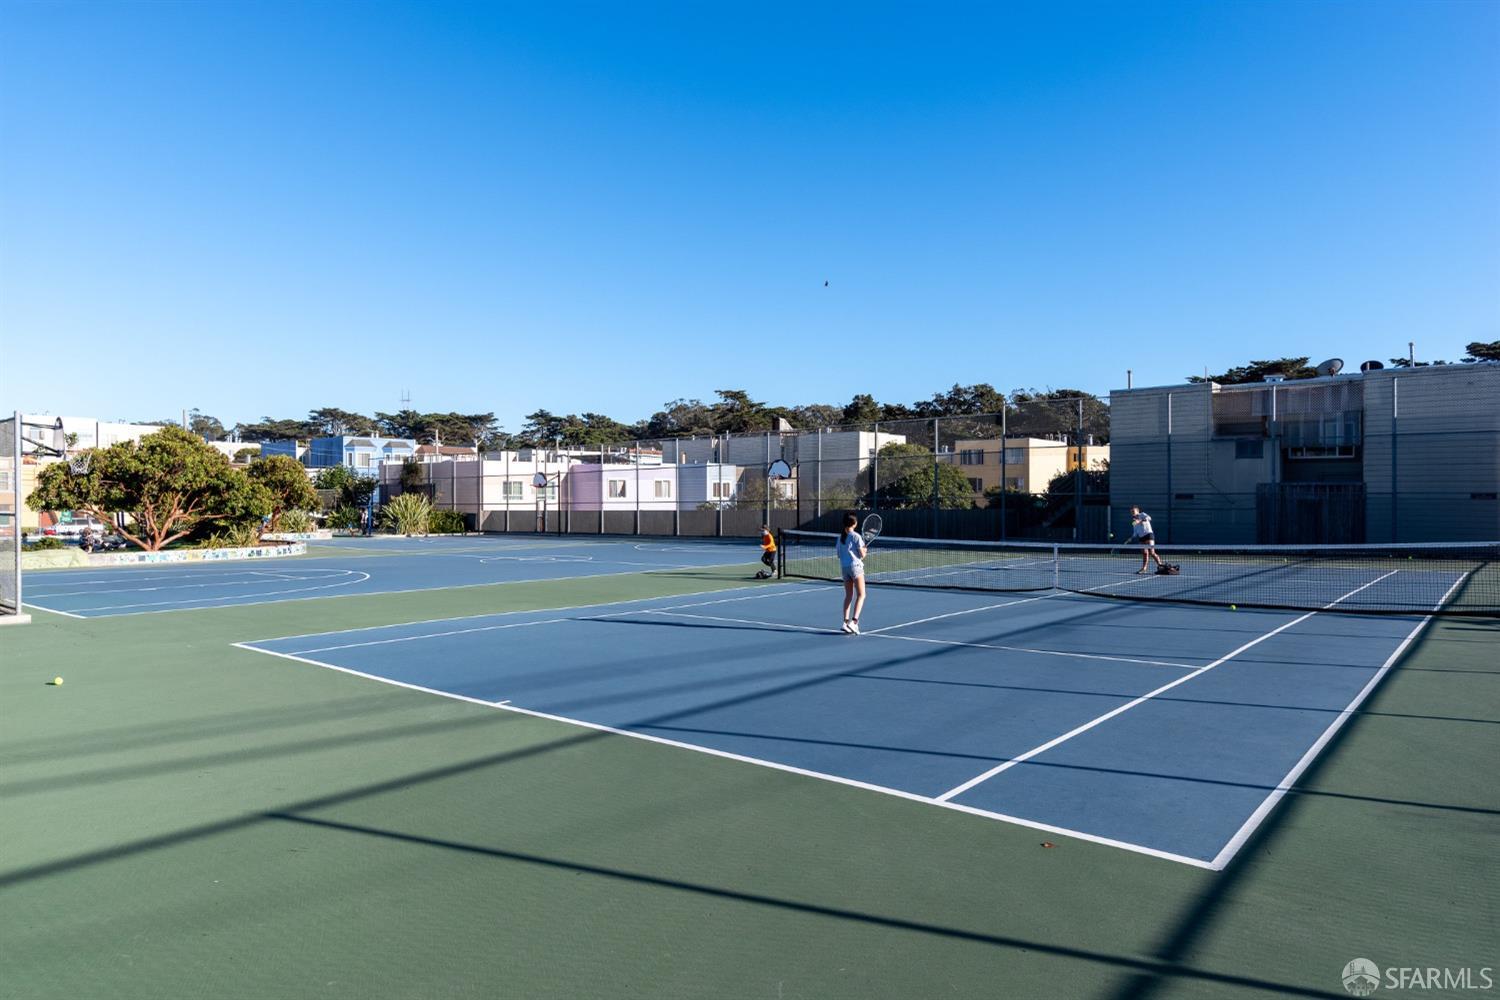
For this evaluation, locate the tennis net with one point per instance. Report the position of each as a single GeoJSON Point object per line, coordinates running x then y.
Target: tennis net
{"type": "Point", "coordinates": [1460, 578]}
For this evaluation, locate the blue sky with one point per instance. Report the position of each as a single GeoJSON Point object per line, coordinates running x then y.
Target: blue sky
{"type": "Point", "coordinates": [264, 208]}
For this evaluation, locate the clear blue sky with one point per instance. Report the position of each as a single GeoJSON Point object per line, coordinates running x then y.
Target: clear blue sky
{"type": "Point", "coordinates": [257, 209]}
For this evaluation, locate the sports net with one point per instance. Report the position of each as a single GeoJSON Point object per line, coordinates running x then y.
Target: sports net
{"type": "Point", "coordinates": [1460, 578]}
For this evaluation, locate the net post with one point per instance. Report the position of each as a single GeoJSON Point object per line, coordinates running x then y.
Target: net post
{"type": "Point", "coordinates": [781, 553]}
{"type": "Point", "coordinates": [1056, 568]}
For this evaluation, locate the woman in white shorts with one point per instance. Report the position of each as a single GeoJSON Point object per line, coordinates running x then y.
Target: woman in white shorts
{"type": "Point", "coordinates": [851, 551]}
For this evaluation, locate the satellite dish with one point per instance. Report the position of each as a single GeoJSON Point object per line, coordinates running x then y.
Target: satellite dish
{"type": "Point", "coordinates": [1371, 366]}
{"type": "Point", "coordinates": [1331, 367]}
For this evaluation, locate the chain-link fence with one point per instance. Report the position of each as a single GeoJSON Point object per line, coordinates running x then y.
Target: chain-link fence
{"type": "Point", "coordinates": [1039, 470]}
{"type": "Point", "coordinates": [1382, 456]}
{"type": "Point", "coordinates": [10, 515]}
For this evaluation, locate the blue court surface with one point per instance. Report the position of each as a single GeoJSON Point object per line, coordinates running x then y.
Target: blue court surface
{"type": "Point", "coordinates": [1168, 730]}
{"type": "Point", "coordinates": [349, 567]}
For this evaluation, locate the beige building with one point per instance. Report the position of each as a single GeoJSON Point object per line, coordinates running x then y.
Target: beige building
{"type": "Point", "coordinates": [1025, 464]}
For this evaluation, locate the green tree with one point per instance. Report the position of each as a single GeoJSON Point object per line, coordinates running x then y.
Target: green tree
{"type": "Point", "coordinates": [353, 491]}
{"type": "Point", "coordinates": [170, 483]}
{"type": "Point", "coordinates": [906, 480]}
{"type": "Point", "coordinates": [269, 429]}
{"type": "Point", "coordinates": [815, 415]}
{"type": "Point", "coordinates": [678, 418]}
{"type": "Point", "coordinates": [1483, 351]}
{"type": "Point", "coordinates": [862, 409]}
{"type": "Point", "coordinates": [206, 427]}
{"type": "Point", "coordinates": [1256, 371]}
{"type": "Point", "coordinates": [332, 421]}
{"type": "Point", "coordinates": [246, 455]}
{"type": "Point", "coordinates": [285, 480]}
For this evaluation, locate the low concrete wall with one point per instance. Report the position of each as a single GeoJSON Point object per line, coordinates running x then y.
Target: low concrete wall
{"type": "Point", "coordinates": [298, 536]}
{"type": "Point", "coordinates": [75, 557]}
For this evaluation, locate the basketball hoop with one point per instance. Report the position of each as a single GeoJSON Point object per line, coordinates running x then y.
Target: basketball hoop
{"type": "Point", "coordinates": [79, 462]}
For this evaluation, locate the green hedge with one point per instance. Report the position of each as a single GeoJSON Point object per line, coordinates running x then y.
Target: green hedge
{"type": "Point", "coordinates": [445, 522]}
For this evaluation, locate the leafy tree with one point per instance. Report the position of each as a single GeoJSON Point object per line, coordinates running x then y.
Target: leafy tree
{"type": "Point", "coordinates": [963, 400]}
{"type": "Point", "coordinates": [402, 424]}
{"type": "Point", "coordinates": [906, 480]}
{"type": "Point", "coordinates": [353, 491]}
{"type": "Point", "coordinates": [1256, 371]}
{"type": "Point", "coordinates": [246, 455]}
{"type": "Point", "coordinates": [169, 482]}
{"type": "Point", "coordinates": [737, 413]}
{"type": "Point", "coordinates": [332, 421]}
{"type": "Point", "coordinates": [1483, 351]}
{"type": "Point", "coordinates": [285, 480]}
{"type": "Point", "coordinates": [862, 409]}
{"type": "Point", "coordinates": [1054, 413]}
{"type": "Point", "coordinates": [206, 427]}
{"type": "Point", "coordinates": [277, 430]}
{"type": "Point", "coordinates": [679, 418]}
{"type": "Point", "coordinates": [815, 415]}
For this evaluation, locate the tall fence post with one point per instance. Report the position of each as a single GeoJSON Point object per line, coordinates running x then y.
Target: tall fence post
{"type": "Point", "coordinates": [1004, 489]}
{"type": "Point", "coordinates": [1395, 415]}
{"type": "Point", "coordinates": [637, 486]}
{"type": "Point", "coordinates": [1169, 466]}
{"type": "Point", "coordinates": [767, 468]}
{"type": "Point", "coordinates": [818, 476]}
{"type": "Point", "coordinates": [875, 472]}
{"type": "Point", "coordinates": [936, 438]}
{"type": "Point", "coordinates": [1078, 477]}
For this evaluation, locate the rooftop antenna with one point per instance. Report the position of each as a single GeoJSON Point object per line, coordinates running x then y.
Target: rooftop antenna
{"type": "Point", "coordinates": [405, 399]}
{"type": "Point", "coordinates": [1411, 352]}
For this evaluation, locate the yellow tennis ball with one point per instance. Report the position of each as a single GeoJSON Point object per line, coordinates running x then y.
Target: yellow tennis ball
{"type": "Point", "coordinates": [1234, 607]}
{"type": "Point", "coordinates": [57, 681]}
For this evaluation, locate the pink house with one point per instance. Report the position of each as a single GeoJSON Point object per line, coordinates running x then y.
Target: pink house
{"type": "Point", "coordinates": [621, 487]}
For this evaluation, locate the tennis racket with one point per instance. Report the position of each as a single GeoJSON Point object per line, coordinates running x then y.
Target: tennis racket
{"type": "Point", "coordinates": [871, 529]}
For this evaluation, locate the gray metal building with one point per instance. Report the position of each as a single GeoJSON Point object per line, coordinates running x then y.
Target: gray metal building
{"type": "Point", "coordinates": [1407, 454]}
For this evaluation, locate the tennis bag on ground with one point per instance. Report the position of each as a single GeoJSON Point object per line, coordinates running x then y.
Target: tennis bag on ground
{"type": "Point", "coordinates": [1168, 569]}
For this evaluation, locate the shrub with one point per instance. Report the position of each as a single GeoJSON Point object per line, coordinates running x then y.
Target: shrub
{"type": "Point", "coordinates": [235, 536]}
{"type": "Point", "coordinates": [43, 544]}
{"type": "Point", "coordinates": [407, 514]}
{"type": "Point", "coordinates": [344, 518]}
{"type": "Point", "coordinates": [445, 522]}
{"type": "Point", "coordinates": [296, 521]}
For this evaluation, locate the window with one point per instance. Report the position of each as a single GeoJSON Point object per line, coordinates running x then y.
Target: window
{"type": "Point", "coordinates": [548, 492]}
{"type": "Point", "coordinates": [975, 457]}
{"type": "Point", "coordinates": [617, 488]}
{"type": "Point", "coordinates": [1252, 448]}
{"type": "Point", "coordinates": [722, 490]}
{"type": "Point", "coordinates": [977, 485]}
{"type": "Point", "coordinates": [1015, 456]}
{"type": "Point", "coordinates": [663, 489]}
{"type": "Point", "coordinates": [362, 460]}
{"type": "Point", "coordinates": [514, 490]}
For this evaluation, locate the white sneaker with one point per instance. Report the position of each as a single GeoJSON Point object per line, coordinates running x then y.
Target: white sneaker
{"type": "Point", "coordinates": [854, 628]}
{"type": "Point", "coordinates": [844, 627]}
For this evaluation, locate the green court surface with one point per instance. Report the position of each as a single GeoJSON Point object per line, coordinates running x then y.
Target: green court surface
{"type": "Point", "coordinates": [184, 818]}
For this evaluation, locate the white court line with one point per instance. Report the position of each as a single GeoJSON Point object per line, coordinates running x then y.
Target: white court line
{"type": "Point", "coordinates": [1006, 604]}
{"type": "Point", "coordinates": [1248, 828]}
{"type": "Point", "coordinates": [506, 706]}
{"type": "Point", "coordinates": [327, 574]}
{"type": "Point", "coordinates": [937, 642]}
{"type": "Point", "coordinates": [412, 590]}
{"type": "Point", "coordinates": [54, 611]}
{"type": "Point", "coordinates": [1078, 730]}
{"type": "Point", "coordinates": [490, 628]}
{"type": "Point", "coordinates": [786, 590]}
{"type": "Point", "coordinates": [199, 600]}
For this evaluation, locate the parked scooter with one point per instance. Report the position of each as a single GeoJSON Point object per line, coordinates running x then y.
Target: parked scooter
{"type": "Point", "coordinates": [97, 541]}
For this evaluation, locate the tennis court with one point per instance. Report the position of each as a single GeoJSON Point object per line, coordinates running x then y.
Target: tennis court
{"type": "Point", "coordinates": [356, 566]}
{"type": "Point", "coordinates": [1167, 730]}
{"type": "Point", "coordinates": [535, 766]}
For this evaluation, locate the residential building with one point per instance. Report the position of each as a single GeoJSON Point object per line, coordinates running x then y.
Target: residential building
{"type": "Point", "coordinates": [1406, 454]}
{"type": "Point", "coordinates": [1025, 464]}
{"type": "Point", "coordinates": [361, 453]}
